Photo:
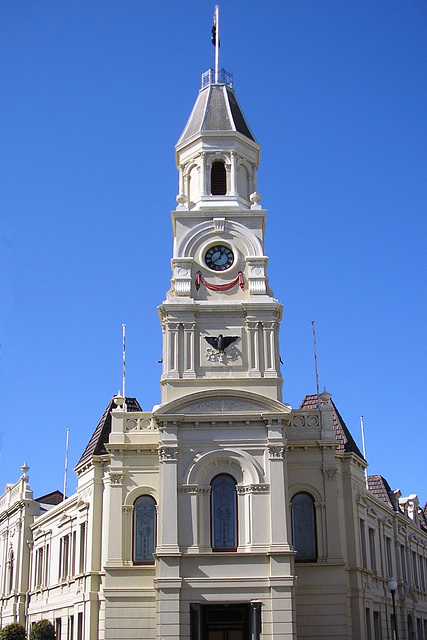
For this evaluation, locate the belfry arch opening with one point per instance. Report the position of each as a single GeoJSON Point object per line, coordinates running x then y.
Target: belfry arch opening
{"type": "Point", "coordinates": [218, 178]}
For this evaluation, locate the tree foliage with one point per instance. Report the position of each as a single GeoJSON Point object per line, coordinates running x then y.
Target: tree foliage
{"type": "Point", "coordinates": [42, 630]}
{"type": "Point", "coordinates": [14, 631]}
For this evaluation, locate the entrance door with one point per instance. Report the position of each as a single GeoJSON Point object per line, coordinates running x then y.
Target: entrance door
{"type": "Point", "coordinates": [225, 622]}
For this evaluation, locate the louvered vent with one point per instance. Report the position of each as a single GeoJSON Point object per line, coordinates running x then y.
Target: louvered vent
{"type": "Point", "coordinates": [218, 179]}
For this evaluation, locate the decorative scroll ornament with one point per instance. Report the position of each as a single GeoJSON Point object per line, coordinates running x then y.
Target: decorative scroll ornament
{"type": "Point", "coordinates": [220, 287]}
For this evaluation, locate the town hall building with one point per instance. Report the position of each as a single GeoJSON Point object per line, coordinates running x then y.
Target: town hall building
{"type": "Point", "coordinates": [223, 513]}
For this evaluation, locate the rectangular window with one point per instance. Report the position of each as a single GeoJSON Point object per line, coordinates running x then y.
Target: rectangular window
{"type": "Point", "coordinates": [58, 628]}
{"type": "Point", "coordinates": [419, 629]}
{"type": "Point", "coordinates": [403, 562]}
{"type": "Point", "coordinates": [60, 560]}
{"type": "Point", "coordinates": [377, 625]}
{"type": "Point", "coordinates": [82, 551]}
{"type": "Point", "coordinates": [80, 626]}
{"type": "Point", "coordinates": [39, 568]}
{"type": "Point", "coordinates": [363, 543]}
{"type": "Point", "coordinates": [415, 568]}
{"type": "Point", "coordinates": [368, 624]}
{"type": "Point", "coordinates": [46, 565]}
{"type": "Point", "coordinates": [64, 557]}
{"type": "Point", "coordinates": [422, 575]}
{"type": "Point", "coordinates": [389, 557]}
{"type": "Point", "coordinates": [70, 631]}
{"type": "Point", "coordinates": [73, 555]}
{"type": "Point", "coordinates": [372, 550]}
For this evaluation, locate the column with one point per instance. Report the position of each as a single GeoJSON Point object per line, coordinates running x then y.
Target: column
{"type": "Point", "coordinates": [114, 487]}
{"type": "Point", "coordinates": [168, 580]}
{"type": "Point", "coordinates": [252, 328]}
{"type": "Point", "coordinates": [269, 329]}
{"type": "Point", "coordinates": [189, 370]}
{"type": "Point", "coordinates": [233, 175]}
{"type": "Point", "coordinates": [203, 170]}
{"type": "Point", "coordinates": [172, 349]}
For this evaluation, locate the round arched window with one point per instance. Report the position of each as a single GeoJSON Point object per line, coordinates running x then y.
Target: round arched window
{"type": "Point", "coordinates": [304, 528]}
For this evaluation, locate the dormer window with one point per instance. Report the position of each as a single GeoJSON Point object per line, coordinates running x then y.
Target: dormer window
{"type": "Point", "coordinates": [218, 178]}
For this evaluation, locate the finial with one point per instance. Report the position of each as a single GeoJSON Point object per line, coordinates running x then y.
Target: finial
{"type": "Point", "coordinates": [255, 198]}
{"type": "Point", "coordinates": [25, 468]}
{"type": "Point", "coordinates": [118, 399]}
{"type": "Point", "coordinates": [325, 396]}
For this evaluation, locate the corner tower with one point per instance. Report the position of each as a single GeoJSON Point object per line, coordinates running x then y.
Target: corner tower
{"type": "Point", "coordinates": [220, 320]}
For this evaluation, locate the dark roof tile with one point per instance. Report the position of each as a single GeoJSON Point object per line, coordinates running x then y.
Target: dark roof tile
{"type": "Point", "coordinates": [96, 444]}
{"type": "Point", "coordinates": [343, 435]}
{"type": "Point", "coordinates": [380, 488]}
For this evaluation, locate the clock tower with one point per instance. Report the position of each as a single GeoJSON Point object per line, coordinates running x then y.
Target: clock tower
{"type": "Point", "coordinates": [224, 530]}
{"type": "Point", "coordinates": [220, 320]}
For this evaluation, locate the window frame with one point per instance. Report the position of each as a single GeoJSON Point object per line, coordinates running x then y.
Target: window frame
{"type": "Point", "coordinates": [313, 541]}
{"type": "Point", "coordinates": [154, 505]}
{"type": "Point", "coordinates": [236, 529]}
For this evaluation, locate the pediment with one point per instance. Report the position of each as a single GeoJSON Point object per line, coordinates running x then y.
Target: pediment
{"type": "Point", "coordinates": [218, 403]}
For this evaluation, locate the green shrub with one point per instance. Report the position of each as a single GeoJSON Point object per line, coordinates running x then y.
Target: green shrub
{"type": "Point", "coordinates": [14, 631]}
{"type": "Point", "coordinates": [42, 630]}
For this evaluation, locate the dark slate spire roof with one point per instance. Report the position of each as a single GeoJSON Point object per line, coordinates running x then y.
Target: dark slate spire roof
{"type": "Point", "coordinates": [216, 109]}
{"type": "Point", "coordinates": [96, 444]}
{"type": "Point", "coordinates": [344, 437]}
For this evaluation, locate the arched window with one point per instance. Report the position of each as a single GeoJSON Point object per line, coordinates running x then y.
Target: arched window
{"type": "Point", "coordinates": [144, 530]}
{"type": "Point", "coordinates": [304, 528]}
{"type": "Point", "coordinates": [218, 179]}
{"type": "Point", "coordinates": [224, 513]}
{"type": "Point", "coordinates": [10, 571]}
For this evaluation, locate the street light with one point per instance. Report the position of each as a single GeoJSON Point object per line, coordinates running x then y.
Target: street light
{"type": "Point", "coordinates": [392, 585]}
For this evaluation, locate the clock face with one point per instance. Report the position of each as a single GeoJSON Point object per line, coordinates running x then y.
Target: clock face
{"type": "Point", "coordinates": [219, 258]}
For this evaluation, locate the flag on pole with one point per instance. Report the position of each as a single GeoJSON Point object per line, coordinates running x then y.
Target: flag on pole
{"type": "Point", "coordinates": [214, 30]}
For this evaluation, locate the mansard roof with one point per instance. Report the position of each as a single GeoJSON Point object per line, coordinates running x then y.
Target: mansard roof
{"type": "Point", "coordinates": [96, 444]}
{"type": "Point", "coordinates": [216, 109]}
{"type": "Point", "coordinates": [343, 435]}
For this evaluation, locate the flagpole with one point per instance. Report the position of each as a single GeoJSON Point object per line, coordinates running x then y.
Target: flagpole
{"type": "Point", "coordinates": [362, 428]}
{"type": "Point", "coordinates": [66, 465]}
{"type": "Point", "coordinates": [124, 361]}
{"type": "Point", "coordinates": [216, 42]}
{"type": "Point", "coordinates": [315, 362]}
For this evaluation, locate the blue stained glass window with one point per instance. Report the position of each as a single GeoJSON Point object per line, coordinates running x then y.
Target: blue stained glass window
{"type": "Point", "coordinates": [224, 507]}
{"type": "Point", "coordinates": [304, 528]}
{"type": "Point", "coordinates": [144, 529]}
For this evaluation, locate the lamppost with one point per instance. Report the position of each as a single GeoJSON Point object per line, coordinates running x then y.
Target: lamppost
{"type": "Point", "coordinates": [392, 585]}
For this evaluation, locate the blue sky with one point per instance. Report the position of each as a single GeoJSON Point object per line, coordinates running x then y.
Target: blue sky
{"type": "Point", "coordinates": [94, 96]}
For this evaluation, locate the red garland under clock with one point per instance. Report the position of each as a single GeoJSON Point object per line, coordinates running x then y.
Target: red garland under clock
{"type": "Point", "coordinates": [220, 287]}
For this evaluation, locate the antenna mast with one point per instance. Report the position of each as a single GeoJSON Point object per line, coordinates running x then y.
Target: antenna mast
{"type": "Point", "coordinates": [66, 464]}
{"type": "Point", "coordinates": [315, 361]}
{"type": "Point", "coordinates": [215, 34]}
